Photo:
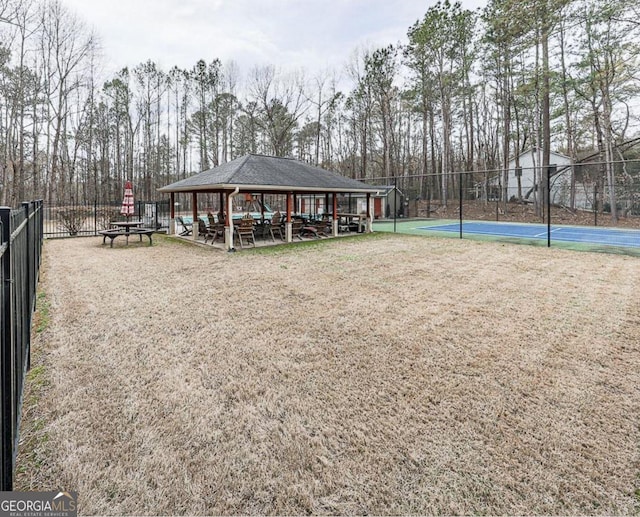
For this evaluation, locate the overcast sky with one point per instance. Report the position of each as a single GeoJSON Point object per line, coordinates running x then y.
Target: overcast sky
{"type": "Point", "coordinates": [313, 34]}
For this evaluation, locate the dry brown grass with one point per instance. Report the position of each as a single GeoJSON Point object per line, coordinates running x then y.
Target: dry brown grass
{"type": "Point", "coordinates": [398, 375]}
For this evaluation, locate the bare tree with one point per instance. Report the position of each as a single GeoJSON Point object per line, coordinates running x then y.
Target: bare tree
{"type": "Point", "coordinates": [282, 102]}
{"type": "Point", "coordinates": [322, 101]}
{"type": "Point", "coordinates": [66, 45]}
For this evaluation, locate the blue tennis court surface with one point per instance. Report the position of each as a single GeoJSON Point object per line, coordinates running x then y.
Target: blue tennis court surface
{"type": "Point", "coordinates": [587, 235]}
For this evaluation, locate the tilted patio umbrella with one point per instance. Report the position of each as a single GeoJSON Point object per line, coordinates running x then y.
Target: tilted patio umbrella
{"type": "Point", "coordinates": [127, 208]}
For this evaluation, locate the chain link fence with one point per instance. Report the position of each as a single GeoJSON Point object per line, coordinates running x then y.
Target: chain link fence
{"type": "Point", "coordinates": [602, 195]}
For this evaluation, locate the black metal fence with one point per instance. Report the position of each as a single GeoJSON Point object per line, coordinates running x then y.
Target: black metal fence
{"type": "Point", "coordinates": [584, 195]}
{"type": "Point", "coordinates": [21, 233]}
{"type": "Point", "coordinates": [81, 220]}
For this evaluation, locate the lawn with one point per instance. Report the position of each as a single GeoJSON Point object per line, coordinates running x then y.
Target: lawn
{"type": "Point", "coordinates": [384, 374]}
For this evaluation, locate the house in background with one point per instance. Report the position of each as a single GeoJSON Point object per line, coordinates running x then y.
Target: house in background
{"type": "Point", "coordinates": [523, 179]}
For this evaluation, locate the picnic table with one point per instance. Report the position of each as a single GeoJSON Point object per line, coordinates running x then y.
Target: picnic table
{"type": "Point", "coordinates": [125, 229]}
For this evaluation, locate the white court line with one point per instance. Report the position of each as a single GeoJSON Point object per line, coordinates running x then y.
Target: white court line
{"type": "Point", "coordinates": [545, 233]}
{"type": "Point", "coordinates": [477, 232]}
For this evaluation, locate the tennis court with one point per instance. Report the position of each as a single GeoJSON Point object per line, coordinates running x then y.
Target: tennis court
{"type": "Point", "coordinates": [571, 234]}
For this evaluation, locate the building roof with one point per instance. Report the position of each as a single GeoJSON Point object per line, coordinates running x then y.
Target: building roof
{"type": "Point", "coordinates": [258, 173]}
{"type": "Point", "coordinates": [533, 150]}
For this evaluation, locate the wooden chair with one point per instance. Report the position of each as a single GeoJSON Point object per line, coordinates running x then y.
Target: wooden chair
{"type": "Point", "coordinates": [276, 226]}
{"type": "Point", "coordinates": [218, 232]}
{"type": "Point", "coordinates": [323, 228]}
{"type": "Point", "coordinates": [296, 228]}
{"type": "Point", "coordinates": [309, 230]}
{"type": "Point", "coordinates": [204, 230]}
{"type": "Point", "coordinates": [187, 228]}
{"type": "Point", "coordinates": [215, 228]}
{"type": "Point", "coordinates": [245, 231]}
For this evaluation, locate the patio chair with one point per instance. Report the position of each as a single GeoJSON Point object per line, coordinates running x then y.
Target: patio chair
{"type": "Point", "coordinates": [276, 226]}
{"type": "Point", "coordinates": [309, 230]}
{"type": "Point", "coordinates": [262, 229]}
{"type": "Point", "coordinates": [187, 228]}
{"type": "Point", "coordinates": [296, 228]}
{"type": "Point", "coordinates": [218, 232]}
{"type": "Point", "coordinates": [204, 230]}
{"type": "Point", "coordinates": [245, 231]}
{"type": "Point", "coordinates": [323, 227]}
{"type": "Point", "coordinates": [216, 228]}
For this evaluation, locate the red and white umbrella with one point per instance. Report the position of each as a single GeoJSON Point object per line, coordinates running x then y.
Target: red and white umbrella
{"type": "Point", "coordinates": [127, 208]}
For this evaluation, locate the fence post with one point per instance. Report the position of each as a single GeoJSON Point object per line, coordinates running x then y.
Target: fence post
{"type": "Point", "coordinates": [30, 282]}
{"type": "Point", "coordinates": [595, 204]}
{"type": "Point", "coordinates": [428, 198]}
{"type": "Point", "coordinates": [395, 202]}
{"type": "Point", "coordinates": [499, 196]}
{"type": "Point", "coordinates": [460, 194]}
{"type": "Point", "coordinates": [39, 235]}
{"type": "Point", "coordinates": [549, 168]}
{"type": "Point", "coordinates": [6, 429]}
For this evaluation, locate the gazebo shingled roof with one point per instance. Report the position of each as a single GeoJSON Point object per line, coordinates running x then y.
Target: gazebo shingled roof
{"type": "Point", "coordinates": [258, 173]}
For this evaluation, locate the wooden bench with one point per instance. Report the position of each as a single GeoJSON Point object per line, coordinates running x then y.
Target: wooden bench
{"type": "Point", "coordinates": [115, 232]}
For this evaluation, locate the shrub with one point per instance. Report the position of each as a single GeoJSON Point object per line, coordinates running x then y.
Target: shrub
{"type": "Point", "coordinates": [72, 219]}
{"type": "Point", "coordinates": [104, 216]}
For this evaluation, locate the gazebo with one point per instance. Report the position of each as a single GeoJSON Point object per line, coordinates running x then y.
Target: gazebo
{"type": "Point", "coordinates": [258, 174]}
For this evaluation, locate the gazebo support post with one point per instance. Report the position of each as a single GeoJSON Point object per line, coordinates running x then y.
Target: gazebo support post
{"type": "Point", "coordinates": [194, 211]}
{"type": "Point", "coordinates": [288, 225]}
{"type": "Point", "coordinates": [335, 215]}
{"type": "Point", "coordinates": [369, 218]}
{"type": "Point", "coordinates": [228, 224]}
{"type": "Point", "coordinates": [172, 213]}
